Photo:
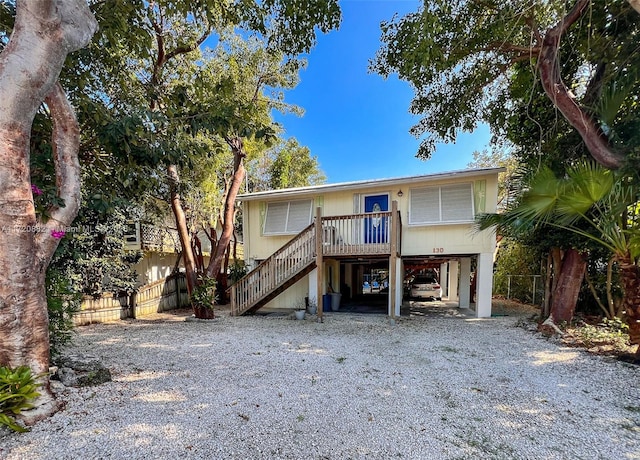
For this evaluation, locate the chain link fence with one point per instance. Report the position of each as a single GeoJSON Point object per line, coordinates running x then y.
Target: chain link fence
{"type": "Point", "coordinates": [523, 288]}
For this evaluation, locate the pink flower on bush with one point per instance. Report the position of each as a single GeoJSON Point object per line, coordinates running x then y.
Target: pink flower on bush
{"type": "Point", "coordinates": [57, 233]}
{"type": "Point", "coordinates": [35, 190]}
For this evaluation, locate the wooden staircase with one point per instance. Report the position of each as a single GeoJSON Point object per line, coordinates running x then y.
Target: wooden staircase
{"type": "Point", "coordinates": [367, 234]}
{"type": "Point", "coordinates": [274, 275]}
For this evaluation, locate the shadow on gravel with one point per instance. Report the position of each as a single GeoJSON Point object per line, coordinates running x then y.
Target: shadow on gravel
{"type": "Point", "coordinates": [436, 309]}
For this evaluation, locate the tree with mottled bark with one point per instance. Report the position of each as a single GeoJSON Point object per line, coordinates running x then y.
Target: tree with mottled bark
{"type": "Point", "coordinates": [460, 57]}
{"type": "Point", "coordinates": [177, 30]}
{"type": "Point", "coordinates": [231, 99]}
{"type": "Point", "coordinates": [44, 33]}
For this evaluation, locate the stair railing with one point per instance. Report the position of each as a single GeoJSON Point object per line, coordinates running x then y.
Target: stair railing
{"type": "Point", "coordinates": [273, 272]}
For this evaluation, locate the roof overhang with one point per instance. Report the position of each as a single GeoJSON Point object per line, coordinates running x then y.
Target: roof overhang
{"type": "Point", "coordinates": [398, 181]}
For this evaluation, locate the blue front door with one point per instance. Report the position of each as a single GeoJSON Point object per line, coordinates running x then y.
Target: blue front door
{"type": "Point", "coordinates": [375, 228]}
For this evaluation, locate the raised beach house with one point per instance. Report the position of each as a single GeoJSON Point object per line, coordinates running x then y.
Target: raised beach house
{"type": "Point", "coordinates": [346, 238]}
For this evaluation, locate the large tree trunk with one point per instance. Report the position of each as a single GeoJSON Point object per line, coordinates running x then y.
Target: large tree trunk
{"type": "Point", "coordinates": [190, 266]}
{"type": "Point", "coordinates": [565, 295]}
{"type": "Point", "coordinates": [215, 264]}
{"type": "Point", "coordinates": [223, 278]}
{"type": "Point", "coordinates": [44, 33]}
{"type": "Point", "coordinates": [630, 278]}
{"type": "Point", "coordinates": [554, 267]}
{"type": "Point", "coordinates": [548, 277]}
{"type": "Point", "coordinates": [163, 55]}
{"type": "Point", "coordinates": [196, 247]}
{"type": "Point", "coordinates": [549, 66]}
{"type": "Point", "coordinates": [183, 231]}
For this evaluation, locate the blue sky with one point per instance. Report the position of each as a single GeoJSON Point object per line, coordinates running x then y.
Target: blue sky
{"type": "Point", "coordinates": [355, 122]}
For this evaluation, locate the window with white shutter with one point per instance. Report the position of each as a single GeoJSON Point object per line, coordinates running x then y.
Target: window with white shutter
{"type": "Point", "coordinates": [276, 218]}
{"type": "Point", "coordinates": [287, 217]}
{"type": "Point", "coordinates": [299, 215]}
{"type": "Point", "coordinates": [457, 203]}
{"type": "Point", "coordinates": [425, 205]}
{"type": "Point", "coordinates": [445, 204]}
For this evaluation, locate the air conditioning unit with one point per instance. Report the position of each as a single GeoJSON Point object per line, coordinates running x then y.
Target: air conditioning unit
{"type": "Point", "coordinates": [329, 235]}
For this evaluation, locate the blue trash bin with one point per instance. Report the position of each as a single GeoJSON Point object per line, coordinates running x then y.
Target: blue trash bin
{"type": "Point", "coordinates": [326, 302]}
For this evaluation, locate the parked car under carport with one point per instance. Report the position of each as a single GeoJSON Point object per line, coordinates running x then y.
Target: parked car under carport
{"type": "Point", "coordinates": [425, 287]}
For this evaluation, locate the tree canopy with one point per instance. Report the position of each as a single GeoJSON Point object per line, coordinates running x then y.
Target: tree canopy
{"type": "Point", "coordinates": [286, 164]}
{"type": "Point", "coordinates": [465, 58]}
{"type": "Point", "coordinates": [178, 104]}
{"type": "Point", "coordinates": [168, 85]}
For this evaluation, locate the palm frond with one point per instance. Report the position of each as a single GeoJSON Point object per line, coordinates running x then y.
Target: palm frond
{"type": "Point", "coordinates": [614, 95]}
{"type": "Point", "coordinates": [540, 200]}
{"type": "Point", "coordinates": [485, 221]}
{"type": "Point", "coordinates": [587, 183]}
{"type": "Point", "coordinates": [604, 242]}
{"type": "Point", "coordinates": [591, 179]}
{"type": "Point", "coordinates": [623, 198]}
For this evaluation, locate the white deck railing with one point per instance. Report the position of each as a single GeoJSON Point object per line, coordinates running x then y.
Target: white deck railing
{"type": "Point", "coordinates": [357, 234]}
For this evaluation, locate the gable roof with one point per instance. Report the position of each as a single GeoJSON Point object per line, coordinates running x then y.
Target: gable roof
{"type": "Point", "coordinates": [315, 189]}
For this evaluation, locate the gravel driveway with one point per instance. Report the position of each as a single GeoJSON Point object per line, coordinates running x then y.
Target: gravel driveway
{"type": "Point", "coordinates": [355, 386]}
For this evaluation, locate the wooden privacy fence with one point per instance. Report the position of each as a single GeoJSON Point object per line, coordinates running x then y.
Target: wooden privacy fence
{"type": "Point", "coordinates": [103, 309]}
{"type": "Point", "coordinates": [163, 295]}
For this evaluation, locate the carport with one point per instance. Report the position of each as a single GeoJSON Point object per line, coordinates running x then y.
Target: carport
{"type": "Point", "coordinates": [459, 275]}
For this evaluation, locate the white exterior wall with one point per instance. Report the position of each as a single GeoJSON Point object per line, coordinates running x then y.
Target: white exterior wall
{"type": "Point", "coordinates": [292, 297]}
{"type": "Point", "coordinates": [484, 285]}
{"type": "Point", "coordinates": [453, 280]}
{"type": "Point", "coordinates": [464, 289]}
{"type": "Point", "coordinates": [155, 266]}
{"type": "Point", "coordinates": [444, 240]}
{"type": "Point", "coordinates": [417, 240]}
{"type": "Point", "coordinates": [399, 278]}
{"type": "Point", "coordinates": [313, 288]}
{"type": "Point", "coordinates": [444, 279]}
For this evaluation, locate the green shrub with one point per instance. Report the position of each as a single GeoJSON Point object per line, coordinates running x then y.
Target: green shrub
{"type": "Point", "coordinates": [514, 273]}
{"type": "Point", "coordinates": [613, 332]}
{"type": "Point", "coordinates": [204, 294]}
{"type": "Point", "coordinates": [237, 271]}
{"type": "Point", "coordinates": [17, 390]}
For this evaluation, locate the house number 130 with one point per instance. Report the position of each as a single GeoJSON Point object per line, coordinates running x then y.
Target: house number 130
{"type": "Point", "coordinates": [438, 250]}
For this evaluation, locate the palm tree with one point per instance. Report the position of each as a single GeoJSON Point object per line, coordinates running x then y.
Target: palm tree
{"type": "Point", "coordinates": [594, 202]}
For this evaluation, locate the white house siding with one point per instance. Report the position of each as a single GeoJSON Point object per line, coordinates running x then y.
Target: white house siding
{"type": "Point", "coordinates": [155, 266]}
{"type": "Point", "coordinates": [442, 240]}
{"type": "Point", "coordinates": [292, 297]}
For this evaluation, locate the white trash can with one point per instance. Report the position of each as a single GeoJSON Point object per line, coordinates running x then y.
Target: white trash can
{"type": "Point", "coordinates": [335, 300]}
